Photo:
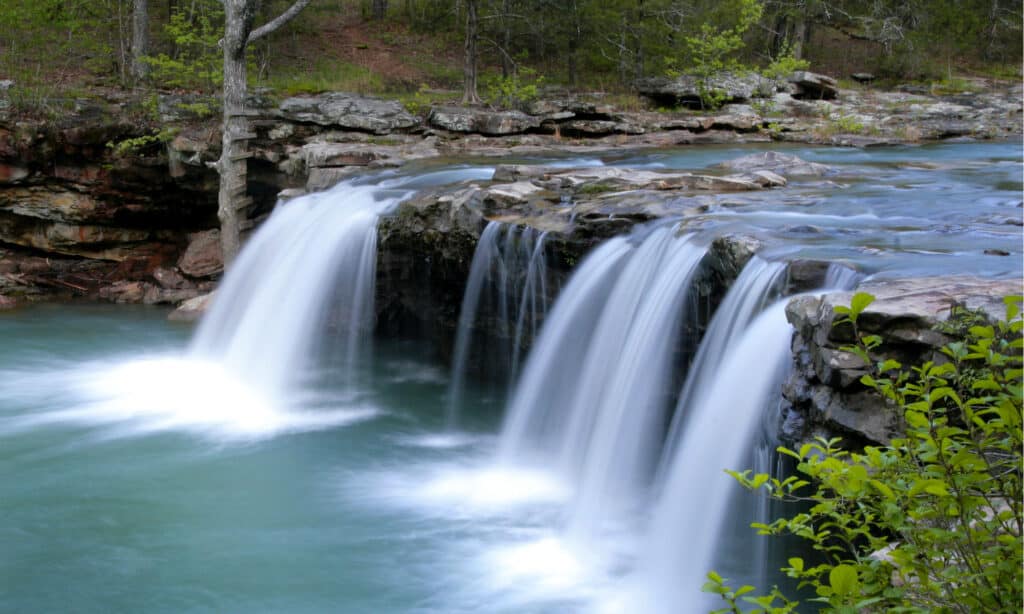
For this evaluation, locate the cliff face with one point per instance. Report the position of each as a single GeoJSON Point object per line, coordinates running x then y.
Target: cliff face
{"type": "Point", "coordinates": [75, 218]}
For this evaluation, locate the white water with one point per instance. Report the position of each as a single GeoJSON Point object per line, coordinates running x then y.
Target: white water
{"type": "Point", "coordinates": [310, 268]}
{"type": "Point", "coordinates": [686, 528]}
{"type": "Point", "coordinates": [593, 397]}
{"type": "Point", "coordinates": [746, 298]}
{"type": "Point", "coordinates": [508, 284]}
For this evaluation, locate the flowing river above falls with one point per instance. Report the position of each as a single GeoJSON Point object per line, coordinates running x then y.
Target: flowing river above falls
{"type": "Point", "coordinates": [138, 474]}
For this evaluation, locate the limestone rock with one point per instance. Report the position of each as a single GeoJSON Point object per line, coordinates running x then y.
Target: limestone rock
{"type": "Point", "coordinates": [686, 89]}
{"type": "Point", "coordinates": [482, 121]}
{"type": "Point", "coordinates": [813, 86]}
{"type": "Point", "coordinates": [125, 291]}
{"type": "Point", "coordinates": [203, 256]}
{"type": "Point", "coordinates": [170, 279]}
{"type": "Point", "coordinates": [192, 309]}
{"type": "Point", "coordinates": [349, 111]}
{"type": "Point", "coordinates": [776, 162]}
{"type": "Point", "coordinates": [824, 391]}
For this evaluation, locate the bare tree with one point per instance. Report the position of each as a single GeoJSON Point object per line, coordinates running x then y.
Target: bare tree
{"type": "Point", "coordinates": [140, 39]}
{"type": "Point", "coordinates": [238, 33]}
{"type": "Point", "coordinates": [469, 73]}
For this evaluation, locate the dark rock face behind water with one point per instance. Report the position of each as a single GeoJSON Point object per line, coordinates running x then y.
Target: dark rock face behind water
{"type": "Point", "coordinates": [823, 395]}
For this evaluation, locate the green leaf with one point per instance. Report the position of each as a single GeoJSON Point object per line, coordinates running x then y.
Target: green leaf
{"type": "Point", "coordinates": [859, 302]}
{"type": "Point", "coordinates": [843, 580]}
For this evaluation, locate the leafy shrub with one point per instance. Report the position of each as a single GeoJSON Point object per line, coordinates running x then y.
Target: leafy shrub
{"type": "Point", "coordinates": [931, 522]}
{"type": "Point", "coordinates": [784, 65]}
{"type": "Point", "coordinates": [515, 91]}
{"type": "Point", "coordinates": [197, 62]}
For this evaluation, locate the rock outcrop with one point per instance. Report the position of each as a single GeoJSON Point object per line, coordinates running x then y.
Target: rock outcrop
{"type": "Point", "coordinates": [689, 90]}
{"type": "Point", "coordinates": [823, 394]}
{"type": "Point", "coordinates": [348, 111]}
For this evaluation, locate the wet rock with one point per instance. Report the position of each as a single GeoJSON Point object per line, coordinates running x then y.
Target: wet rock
{"type": "Point", "coordinates": [776, 162]}
{"type": "Point", "coordinates": [155, 295]}
{"type": "Point", "coordinates": [824, 386]}
{"type": "Point", "coordinates": [125, 291]}
{"type": "Point", "coordinates": [349, 111]}
{"type": "Point", "coordinates": [813, 86]}
{"type": "Point", "coordinates": [862, 77]}
{"type": "Point", "coordinates": [203, 256]}
{"type": "Point", "coordinates": [7, 302]}
{"type": "Point", "coordinates": [482, 121]}
{"type": "Point", "coordinates": [192, 309]}
{"type": "Point", "coordinates": [170, 279]}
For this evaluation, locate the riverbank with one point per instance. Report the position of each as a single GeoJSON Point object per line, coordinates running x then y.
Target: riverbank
{"type": "Point", "coordinates": [111, 201]}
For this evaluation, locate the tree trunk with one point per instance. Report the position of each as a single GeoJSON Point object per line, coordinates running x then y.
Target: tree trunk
{"type": "Point", "coordinates": [796, 44]}
{"type": "Point", "coordinates": [506, 39]}
{"type": "Point", "coordinates": [140, 39]}
{"type": "Point", "coordinates": [469, 90]}
{"type": "Point", "coordinates": [232, 200]}
{"type": "Point", "coordinates": [380, 9]}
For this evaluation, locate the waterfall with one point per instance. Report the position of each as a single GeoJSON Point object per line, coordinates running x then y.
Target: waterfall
{"type": "Point", "coordinates": [506, 289]}
{"type": "Point", "coordinates": [840, 277]}
{"type": "Point", "coordinates": [309, 269]}
{"type": "Point", "coordinates": [593, 397]}
{"type": "Point", "coordinates": [724, 418]}
{"type": "Point", "coordinates": [749, 294]}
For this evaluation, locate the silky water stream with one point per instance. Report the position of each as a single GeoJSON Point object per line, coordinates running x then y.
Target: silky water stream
{"type": "Point", "coordinates": [276, 460]}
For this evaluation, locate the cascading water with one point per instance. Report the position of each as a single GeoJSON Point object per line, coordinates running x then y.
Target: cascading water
{"type": "Point", "coordinates": [507, 284]}
{"type": "Point", "coordinates": [594, 393]}
{"type": "Point", "coordinates": [724, 417]}
{"type": "Point", "coordinates": [311, 265]}
{"type": "Point", "coordinates": [747, 297]}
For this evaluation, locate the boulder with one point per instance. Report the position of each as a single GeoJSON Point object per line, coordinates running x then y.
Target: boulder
{"type": "Point", "coordinates": [482, 121]}
{"type": "Point", "coordinates": [348, 111]}
{"type": "Point", "coordinates": [125, 291]}
{"type": "Point", "coordinates": [192, 309]}
{"type": "Point", "coordinates": [155, 295]}
{"type": "Point", "coordinates": [775, 162]}
{"type": "Point", "coordinates": [170, 278]}
{"type": "Point", "coordinates": [203, 256]}
{"type": "Point", "coordinates": [686, 89]}
{"type": "Point", "coordinates": [813, 86]}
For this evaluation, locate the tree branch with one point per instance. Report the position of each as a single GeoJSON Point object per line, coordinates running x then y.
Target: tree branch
{"type": "Point", "coordinates": [275, 24]}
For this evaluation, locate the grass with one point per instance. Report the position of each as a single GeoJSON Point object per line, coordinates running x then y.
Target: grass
{"type": "Point", "coordinates": [326, 76]}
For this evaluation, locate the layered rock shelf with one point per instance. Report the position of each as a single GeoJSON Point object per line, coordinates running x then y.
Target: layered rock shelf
{"type": "Point", "coordinates": [81, 217]}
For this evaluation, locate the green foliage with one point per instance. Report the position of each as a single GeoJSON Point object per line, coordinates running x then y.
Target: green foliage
{"type": "Point", "coordinates": [784, 64]}
{"type": "Point", "coordinates": [514, 91]}
{"type": "Point", "coordinates": [196, 62]}
{"type": "Point", "coordinates": [931, 522]}
{"type": "Point", "coordinates": [843, 124]}
{"type": "Point", "coordinates": [139, 144]}
{"type": "Point", "coordinates": [713, 48]}
{"type": "Point", "coordinates": [420, 101]}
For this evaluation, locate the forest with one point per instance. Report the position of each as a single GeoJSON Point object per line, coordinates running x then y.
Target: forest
{"type": "Point", "coordinates": [55, 48]}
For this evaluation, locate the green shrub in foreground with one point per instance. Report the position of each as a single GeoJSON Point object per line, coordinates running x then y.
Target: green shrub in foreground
{"type": "Point", "coordinates": [931, 522]}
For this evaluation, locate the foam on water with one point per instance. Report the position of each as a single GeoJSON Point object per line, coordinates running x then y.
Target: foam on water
{"type": "Point", "coordinates": [151, 395]}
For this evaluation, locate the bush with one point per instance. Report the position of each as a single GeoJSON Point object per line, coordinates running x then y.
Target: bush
{"type": "Point", "coordinates": [931, 522]}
